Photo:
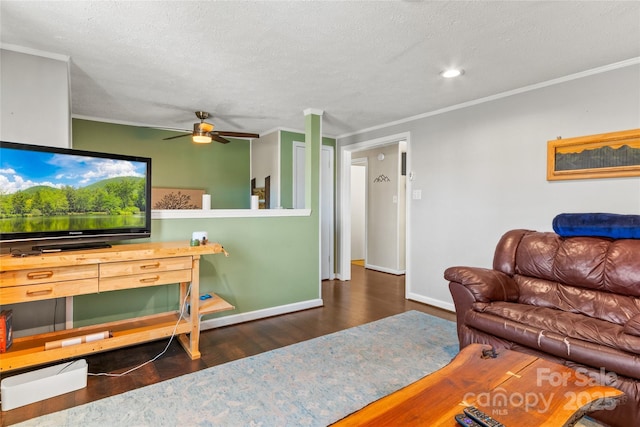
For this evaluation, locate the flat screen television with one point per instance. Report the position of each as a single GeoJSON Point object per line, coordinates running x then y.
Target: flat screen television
{"type": "Point", "coordinates": [60, 199]}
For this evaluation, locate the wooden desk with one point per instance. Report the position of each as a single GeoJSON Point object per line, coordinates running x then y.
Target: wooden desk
{"type": "Point", "coordinates": [127, 266]}
{"type": "Point", "coordinates": [514, 388]}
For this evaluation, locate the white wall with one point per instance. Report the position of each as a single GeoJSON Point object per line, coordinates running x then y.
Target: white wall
{"type": "Point", "coordinates": [482, 171]}
{"type": "Point", "coordinates": [35, 109]}
{"type": "Point", "coordinates": [35, 102]}
{"type": "Point", "coordinates": [265, 158]}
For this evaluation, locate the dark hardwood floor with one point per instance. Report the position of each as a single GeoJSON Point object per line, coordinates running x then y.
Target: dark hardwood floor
{"type": "Point", "coordinates": [369, 296]}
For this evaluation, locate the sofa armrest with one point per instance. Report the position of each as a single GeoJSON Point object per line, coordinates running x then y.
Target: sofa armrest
{"type": "Point", "coordinates": [485, 285]}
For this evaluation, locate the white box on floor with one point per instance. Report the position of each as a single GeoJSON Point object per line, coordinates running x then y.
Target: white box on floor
{"type": "Point", "coordinates": [23, 389]}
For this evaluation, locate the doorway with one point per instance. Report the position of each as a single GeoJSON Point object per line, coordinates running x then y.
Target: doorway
{"type": "Point", "coordinates": [347, 154]}
{"type": "Point", "coordinates": [359, 211]}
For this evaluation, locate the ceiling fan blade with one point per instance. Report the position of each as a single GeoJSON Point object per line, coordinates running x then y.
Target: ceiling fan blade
{"type": "Point", "coordinates": [220, 139]}
{"type": "Point", "coordinates": [238, 134]}
{"type": "Point", "coordinates": [177, 136]}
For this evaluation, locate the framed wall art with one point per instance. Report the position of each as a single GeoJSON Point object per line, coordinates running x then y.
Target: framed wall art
{"type": "Point", "coordinates": [607, 155]}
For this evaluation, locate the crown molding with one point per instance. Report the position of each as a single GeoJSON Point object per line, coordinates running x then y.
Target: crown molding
{"type": "Point", "coordinates": [570, 77]}
{"type": "Point", "coordinates": [35, 52]}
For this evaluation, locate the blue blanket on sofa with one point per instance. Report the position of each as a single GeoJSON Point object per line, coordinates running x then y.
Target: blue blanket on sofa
{"type": "Point", "coordinates": [615, 226]}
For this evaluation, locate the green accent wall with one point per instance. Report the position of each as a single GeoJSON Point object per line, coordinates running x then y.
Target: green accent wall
{"type": "Point", "coordinates": [287, 138]}
{"type": "Point", "coordinates": [222, 170]}
{"type": "Point", "coordinates": [273, 261]}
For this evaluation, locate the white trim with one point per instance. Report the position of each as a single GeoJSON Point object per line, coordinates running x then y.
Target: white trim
{"type": "Point", "coordinates": [260, 314]}
{"type": "Point", "coordinates": [332, 243]}
{"type": "Point", "coordinates": [147, 125]}
{"type": "Point", "coordinates": [575, 76]}
{"type": "Point", "coordinates": [279, 171]}
{"type": "Point", "coordinates": [226, 213]}
{"type": "Point", "coordinates": [314, 111]}
{"type": "Point", "coordinates": [35, 52]}
{"type": "Point", "coordinates": [127, 123]}
{"type": "Point", "coordinates": [431, 301]}
{"type": "Point", "coordinates": [282, 129]}
{"type": "Point", "coordinates": [286, 129]}
{"type": "Point", "coordinates": [385, 269]}
{"type": "Point", "coordinates": [309, 111]}
{"type": "Point", "coordinates": [294, 169]}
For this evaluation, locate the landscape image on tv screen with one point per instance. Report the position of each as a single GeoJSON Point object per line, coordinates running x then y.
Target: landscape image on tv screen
{"type": "Point", "coordinates": [44, 192]}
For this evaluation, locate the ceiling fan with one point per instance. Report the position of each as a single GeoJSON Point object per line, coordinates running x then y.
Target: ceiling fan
{"type": "Point", "coordinates": [203, 132]}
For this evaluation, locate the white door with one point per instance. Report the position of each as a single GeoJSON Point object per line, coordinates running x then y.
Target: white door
{"type": "Point", "coordinates": [326, 201]}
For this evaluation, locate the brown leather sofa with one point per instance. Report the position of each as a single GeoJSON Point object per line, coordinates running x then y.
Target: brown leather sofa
{"type": "Point", "coordinates": [574, 300]}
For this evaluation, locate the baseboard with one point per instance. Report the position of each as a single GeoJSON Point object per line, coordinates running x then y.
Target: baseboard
{"type": "Point", "coordinates": [431, 301]}
{"type": "Point", "coordinates": [259, 314]}
{"type": "Point", "coordinates": [385, 269]}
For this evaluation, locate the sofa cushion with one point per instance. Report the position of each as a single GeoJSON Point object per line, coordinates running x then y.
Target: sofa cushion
{"type": "Point", "coordinates": [601, 305]}
{"type": "Point", "coordinates": [632, 327]}
{"type": "Point", "coordinates": [581, 351]}
{"type": "Point", "coordinates": [573, 325]}
{"type": "Point", "coordinates": [586, 262]}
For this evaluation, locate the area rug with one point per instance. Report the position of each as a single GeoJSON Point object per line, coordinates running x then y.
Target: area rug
{"type": "Point", "coordinates": [312, 383]}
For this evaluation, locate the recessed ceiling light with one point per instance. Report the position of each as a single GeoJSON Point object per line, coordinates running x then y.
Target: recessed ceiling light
{"type": "Point", "coordinates": [452, 72]}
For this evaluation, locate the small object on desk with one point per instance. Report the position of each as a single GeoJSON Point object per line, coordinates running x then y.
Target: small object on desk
{"type": "Point", "coordinates": [466, 421]}
{"type": "Point", "coordinates": [489, 353]}
{"type": "Point", "coordinates": [20, 253]}
{"type": "Point", "coordinates": [205, 297]}
{"type": "Point", "coordinates": [481, 418]}
{"type": "Point", "coordinates": [206, 202]}
{"type": "Point", "coordinates": [6, 330]}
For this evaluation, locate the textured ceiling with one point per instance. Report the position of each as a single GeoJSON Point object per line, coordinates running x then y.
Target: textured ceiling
{"type": "Point", "coordinates": [257, 65]}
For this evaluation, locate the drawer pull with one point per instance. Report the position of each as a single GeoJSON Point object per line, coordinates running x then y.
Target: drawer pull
{"type": "Point", "coordinates": [40, 292]}
{"type": "Point", "coordinates": [150, 279]}
{"type": "Point", "coordinates": [40, 275]}
{"type": "Point", "coordinates": [149, 266]}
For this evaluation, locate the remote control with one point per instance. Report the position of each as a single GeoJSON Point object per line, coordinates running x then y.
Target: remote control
{"type": "Point", "coordinates": [481, 418]}
{"type": "Point", "coordinates": [466, 421]}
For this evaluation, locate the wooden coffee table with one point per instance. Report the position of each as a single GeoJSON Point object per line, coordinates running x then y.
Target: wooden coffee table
{"type": "Point", "coordinates": [514, 388]}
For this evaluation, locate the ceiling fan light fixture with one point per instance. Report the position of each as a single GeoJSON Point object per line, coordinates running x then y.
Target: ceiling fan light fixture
{"type": "Point", "coordinates": [201, 137]}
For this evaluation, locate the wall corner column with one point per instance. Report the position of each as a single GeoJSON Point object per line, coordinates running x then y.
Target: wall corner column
{"type": "Point", "coordinates": [313, 153]}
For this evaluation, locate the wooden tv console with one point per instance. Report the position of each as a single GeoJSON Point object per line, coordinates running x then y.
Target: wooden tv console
{"type": "Point", "coordinates": [126, 266]}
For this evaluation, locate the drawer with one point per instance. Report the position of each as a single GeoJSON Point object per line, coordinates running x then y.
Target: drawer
{"type": "Point", "coordinates": [15, 294]}
{"type": "Point", "coordinates": [144, 280]}
{"type": "Point", "coordinates": [126, 268]}
{"type": "Point", "coordinates": [47, 275]}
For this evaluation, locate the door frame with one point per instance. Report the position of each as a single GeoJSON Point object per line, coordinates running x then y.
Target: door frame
{"type": "Point", "coordinates": [362, 162]}
{"type": "Point", "coordinates": [330, 200]}
{"type": "Point", "coordinates": [344, 210]}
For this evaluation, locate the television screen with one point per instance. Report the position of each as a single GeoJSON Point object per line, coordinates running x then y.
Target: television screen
{"type": "Point", "coordinates": [72, 196]}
